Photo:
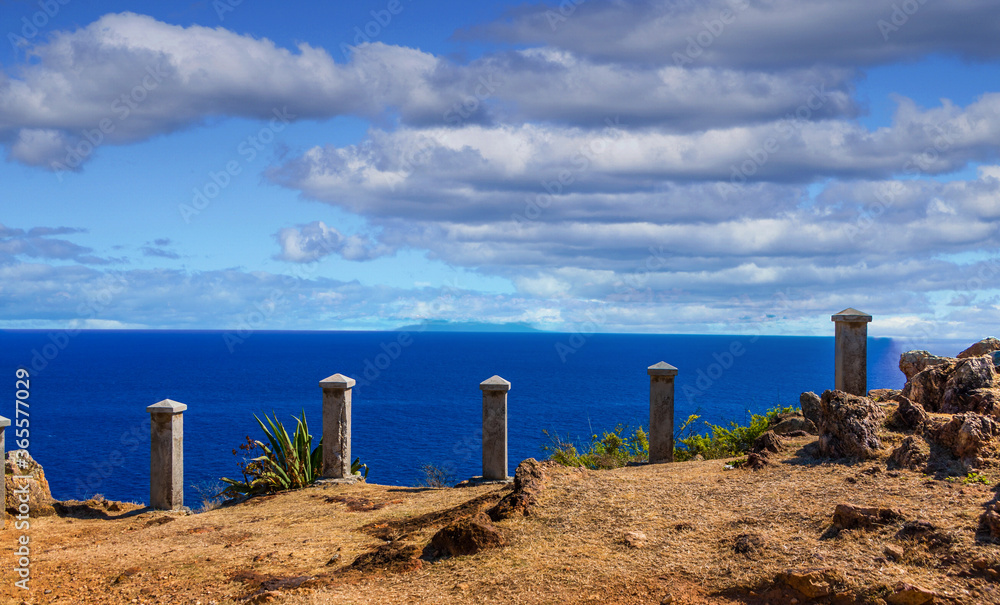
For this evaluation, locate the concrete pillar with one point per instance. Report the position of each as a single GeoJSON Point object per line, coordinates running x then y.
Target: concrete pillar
{"type": "Point", "coordinates": [661, 412]}
{"type": "Point", "coordinates": [495, 428]}
{"type": "Point", "coordinates": [337, 426]}
{"type": "Point", "coordinates": [166, 455]}
{"type": "Point", "coordinates": [4, 423]}
{"type": "Point", "coordinates": [851, 351]}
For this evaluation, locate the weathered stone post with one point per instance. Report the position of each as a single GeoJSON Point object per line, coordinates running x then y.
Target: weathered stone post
{"type": "Point", "coordinates": [337, 426]}
{"type": "Point", "coordinates": [166, 455]}
{"type": "Point", "coordinates": [851, 351]}
{"type": "Point", "coordinates": [4, 423]}
{"type": "Point", "coordinates": [495, 428]}
{"type": "Point", "coordinates": [661, 412]}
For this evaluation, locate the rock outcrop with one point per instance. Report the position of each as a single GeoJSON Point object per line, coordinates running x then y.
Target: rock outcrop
{"type": "Point", "coordinates": [908, 416]}
{"type": "Point", "coordinates": [809, 402]}
{"type": "Point", "coordinates": [913, 362]}
{"type": "Point", "coordinates": [966, 435]}
{"type": "Point", "coordinates": [983, 347]}
{"type": "Point", "coordinates": [912, 454]}
{"type": "Point", "coordinates": [468, 536]}
{"type": "Point", "coordinates": [21, 470]}
{"type": "Point", "coordinates": [847, 516]}
{"type": "Point", "coordinates": [848, 426]}
{"type": "Point", "coordinates": [968, 383]}
{"type": "Point", "coordinates": [529, 479]}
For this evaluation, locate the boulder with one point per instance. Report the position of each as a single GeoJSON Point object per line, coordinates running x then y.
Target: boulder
{"type": "Point", "coordinates": [847, 516]}
{"type": "Point", "coordinates": [913, 362]}
{"type": "Point", "coordinates": [768, 442]}
{"type": "Point", "coordinates": [529, 479]}
{"type": "Point", "coordinates": [848, 426]}
{"type": "Point", "coordinates": [809, 402]}
{"type": "Point", "coordinates": [810, 583]}
{"type": "Point", "coordinates": [969, 376]}
{"type": "Point", "coordinates": [967, 434]}
{"type": "Point", "coordinates": [908, 594]}
{"type": "Point", "coordinates": [927, 387]}
{"type": "Point", "coordinates": [793, 424]}
{"type": "Point", "coordinates": [912, 454]}
{"type": "Point", "coordinates": [468, 536]}
{"type": "Point", "coordinates": [21, 469]}
{"type": "Point", "coordinates": [983, 347]}
{"type": "Point", "coordinates": [908, 416]}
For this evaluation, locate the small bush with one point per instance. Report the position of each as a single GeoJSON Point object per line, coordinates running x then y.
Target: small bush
{"type": "Point", "coordinates": [611, 450]}
{"type": "Point", "coordinates": [436, 476]}
{"type": "Point", "coordinates": [617, 448]}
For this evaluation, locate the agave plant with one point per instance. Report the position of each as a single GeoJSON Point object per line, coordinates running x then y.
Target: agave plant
{"type": "Point", "coordinates": [288, 462]}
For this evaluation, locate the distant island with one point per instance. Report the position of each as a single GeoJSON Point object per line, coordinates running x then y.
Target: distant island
{"type": "Point", "coordinates": [443, 325]}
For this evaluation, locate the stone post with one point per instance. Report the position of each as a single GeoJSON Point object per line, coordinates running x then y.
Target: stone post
{"type": "Point", "coordinates": [495, 428]}
{"type": "Point", "coordinates": [661, 412]}
{"type": "Point", "coordinates": [337, 426]}
{"type": "Point", "coordinates": [4, 423]}
{"type": "Point", "coordinates": [851, 351]}
{"type": "Point", "coordinates": [166, 455]}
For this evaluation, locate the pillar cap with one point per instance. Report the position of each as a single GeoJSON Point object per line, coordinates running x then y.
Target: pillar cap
{"type": "Point", "coordinates": [494, 383]}
{"type": "Point", "coordinates": [4, 422]}
{"type": "Point", "coordinates": [661, 369]}
{"type": "Point", "coordinates": [167, 406]}
{"type": "Point", "coordinates": [851, 314]}
{"type": "Point", "coordinates": [337, 381]}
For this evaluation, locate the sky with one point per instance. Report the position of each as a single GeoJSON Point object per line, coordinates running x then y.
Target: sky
{"type": "Point", "coordinates": [681, 166]}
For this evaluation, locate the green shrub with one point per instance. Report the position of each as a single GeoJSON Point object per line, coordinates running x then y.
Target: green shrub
{"type": "Point", "coordinates": [287, 462]}
{"type": "Point", "coordinates": [617, 448]}
{"type": "Point", "coordinates": [611, 450]}
{"type": "Point", "coordinates": [724, 441]}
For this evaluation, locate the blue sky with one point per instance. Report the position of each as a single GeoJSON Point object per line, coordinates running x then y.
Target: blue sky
{"type": "Point", "coordinates": [660, 166]}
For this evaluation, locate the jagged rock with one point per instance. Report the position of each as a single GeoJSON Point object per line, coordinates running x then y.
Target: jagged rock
{"type": "Point", "coordinates": [927, 387]}
{"type": "Point", "coordinates": [468, 536]}
{"type": "Point", "coordinates": [967, 434]}
{"type": "Point", "coordinates": [794, 424]}
{"type": "Point", "coordinates": [913, 453]}
{"type": "Point", "coordinates": [984, 401]}
{"type": "Point", "coordinates": [990, 520]}
{"type": "Point", "coordinates": [908, 416]}
{"type": "Point", "coordinates": [983, 347]}
{"type": "Point", "coordinates": [848, 426]}
{"type": "Point", "coordinates": [908, 594]}
{"type": "Point", "coordinates": [767, 442]}
{"type": "Point", "coordinates": [21, 469]}
{"type": "Point", "coordinates": [847, 516]}
{"type": "Point", "coordinates": [809, 402]}
{"type": "Point", "coordinates": [913, 362]}
{"type": "Point", "coordinates": [969, 376]}
{"type": "Point", "coordinates": [529, 479]}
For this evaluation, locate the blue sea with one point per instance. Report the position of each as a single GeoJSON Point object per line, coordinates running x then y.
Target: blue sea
{"type": "Point", "coordinates": [417, 400]}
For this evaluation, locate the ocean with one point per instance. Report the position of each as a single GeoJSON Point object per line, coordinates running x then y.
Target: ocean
{"type": "Point", "coordinates": [417, 400]}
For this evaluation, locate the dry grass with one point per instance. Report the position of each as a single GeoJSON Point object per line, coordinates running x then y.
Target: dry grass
{"type": "Point", "coordinates": [571, 551]}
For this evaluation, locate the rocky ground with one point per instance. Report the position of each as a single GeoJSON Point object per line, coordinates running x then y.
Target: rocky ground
{"type": "Point", "coordinates": [890, 498]}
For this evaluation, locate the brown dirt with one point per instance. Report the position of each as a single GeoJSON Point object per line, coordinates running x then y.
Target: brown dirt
{"type": "Point", "coordinates": [711, 536]}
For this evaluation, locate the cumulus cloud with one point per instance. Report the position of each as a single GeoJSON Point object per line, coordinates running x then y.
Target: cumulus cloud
{"type": "Point", "coordinates": [314, 241]}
